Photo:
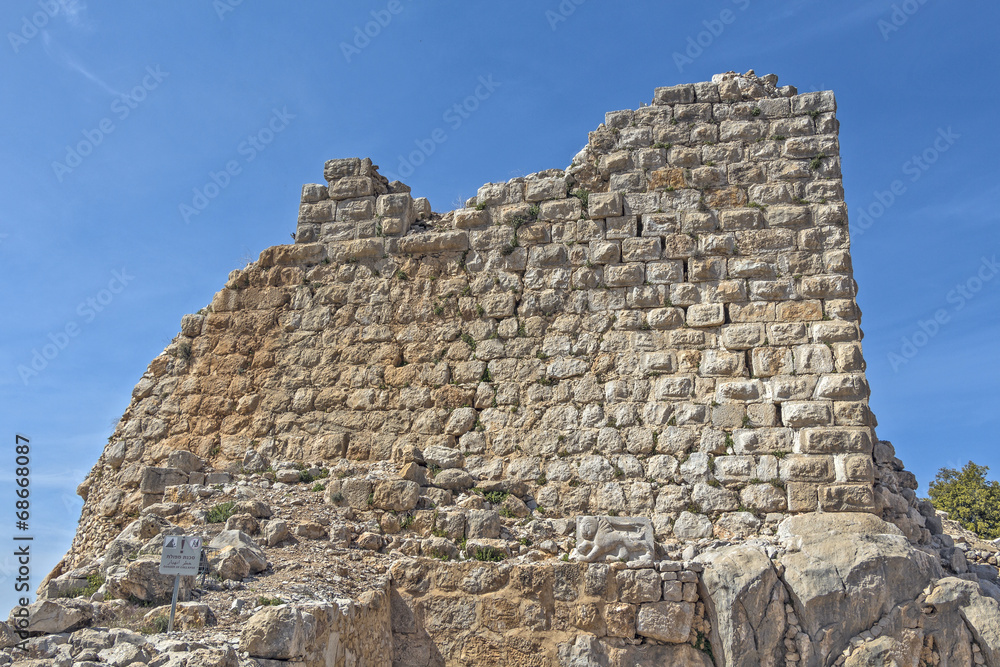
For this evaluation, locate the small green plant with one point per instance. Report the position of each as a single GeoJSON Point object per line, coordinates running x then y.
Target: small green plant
{"type": "Point", "coordinates": [185, 351]}
{"type": "Point", "coordinates": [156, 625]}
{"type": "Point", "coordinates": [215, 450]}
{"type": "Point", "coordinates": [495, 497]}
{"type": "Point", "coordinates": [702, 644]}
{"type": "Point", "coordinates": [440, 555]}
{"type": "Point", "coordinates": [438, 309]}
{"type": "Point", "coordinates": [660, 144]}
{"type": "Point", "coordinates": [479, 310]}
{"type": "Point", "coordinates": [481, 206]}
{"type": "Point", "coordinates": [401, 275]}
{"type": "Point", "coordinates": [714, 483]}
{"type": "Point", "coordinates": [619, 473]}
{"type": "Point", "coordinates": [546, 382]}
{"type": "Point", "coordinates": [780, 454]}
{"type": "Point", "coordinates": [541, 355]}
{"type": "Point", "coordinates": [755, 112]}
{"type": "Point", "coordinates": [469, 340]}
{"type": "Point", "coordinates": [583, 196]}
{"type": "Point", "coordinates": [337, 497]}
{"type": "Point", "coordinates": [407, 521]}
{"type": "Point", "coordinates": [564, 558]}
{"type": "Point", "coordinates": [488, 554]}
{"type": "Point", "coordinates": [534, 212]}
{"type": "Point", "coordinates": [371, 499]}
{"type": "Point", "coordinates": [575, 482]}
{"type": "Point", "coordinates": [756, 205]}
{"type": "Point", "coordinates": [814, 114]}
{"type": "Point", "coordinates": [506, 513]}
{"type": "Point", "coordinates": [221, 512]}
{"type": "Point", "coordinates": [817, 161]}
{"type": "Point", "coordinates": [778, 137]}
{"type": "Point", "coordinates": [265, 601]}
{"type": "Point", "coordinates": [305, 477]}
{"type": "Point", "coordinates": [317, 487]}
{"type": "Point", "coordinates": [542, 480]}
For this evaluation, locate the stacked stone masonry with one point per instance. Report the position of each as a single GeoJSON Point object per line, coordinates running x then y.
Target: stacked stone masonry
{"type": "Point", "coordinates": [615, 415]}
{"type": "Point", "coordinates": [667, 329]}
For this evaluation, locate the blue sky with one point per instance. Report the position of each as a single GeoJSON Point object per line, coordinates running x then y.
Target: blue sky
{"type": "Point", "coordinates": [118, 115]}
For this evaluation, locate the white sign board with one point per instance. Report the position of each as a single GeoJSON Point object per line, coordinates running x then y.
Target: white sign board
{"type": "Point", "coordinates": [181, 554]}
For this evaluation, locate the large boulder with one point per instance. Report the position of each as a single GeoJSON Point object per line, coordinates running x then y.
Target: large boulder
{"type": "Point", "coordinates": [965, 601]}
{"type": "Point", "coordinates": [845, 572]}
{"type": "Point", "coordinates": [54, 616]}
{"type": "Point", "coordinates": [277, 633]}
{"type": "Point", "coordinates": [745, 603]}
{"type": "Point", "coordinates": [141, 579]}
{"type": "Point", "coordinates": [242, 543]}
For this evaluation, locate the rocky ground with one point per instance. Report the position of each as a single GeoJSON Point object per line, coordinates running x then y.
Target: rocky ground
{"type": "Point", "coordinates": [286, 533]}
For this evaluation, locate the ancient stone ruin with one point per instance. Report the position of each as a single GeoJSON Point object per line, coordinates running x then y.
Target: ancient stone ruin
{"type": "Point", "coordinates": [615, 414]}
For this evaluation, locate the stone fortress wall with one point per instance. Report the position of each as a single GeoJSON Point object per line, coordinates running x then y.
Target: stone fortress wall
{"type": "Point", "coordinates": [667, 329]}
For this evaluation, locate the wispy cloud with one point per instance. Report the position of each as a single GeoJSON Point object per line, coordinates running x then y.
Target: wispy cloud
{"type": "Point", "coordinates": [74, 11]}
{"type": "Point", "coordinates": [65, 58]}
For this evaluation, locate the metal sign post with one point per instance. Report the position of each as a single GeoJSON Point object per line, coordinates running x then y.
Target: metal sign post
{"type": "Point", "coordinates": [181, 556]}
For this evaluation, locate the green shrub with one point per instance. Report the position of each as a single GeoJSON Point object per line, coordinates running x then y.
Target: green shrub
{"type": "Point", "coordinates": [221, 512]}
{"type": "Point", "coordinates": [488, 554]}
{"type": "Point", "coordinates": [265, 601]}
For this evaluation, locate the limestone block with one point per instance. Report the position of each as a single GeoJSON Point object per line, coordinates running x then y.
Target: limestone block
{"type": "Point", "coordinates": [638, 586]}
{"type": "Point", "coordinates": [620, 619]}
{"type": "Point", "coordinates": [54, 616]}
{"type": "Point", "coordinates": [453, 479]}
{"type": "Point", "coordinates": [468, 218]}
{"type": "Point", "coordinates": [622, 227]}
{"type": "Point", "coordinates": [665, 621]}
{"type": "Point", "coordinates": [278, 633]}
{"type": "Point", "coordinates": [683, 94]}
{"type": "Point", "coordinates": [397, 495]}
{"type": "Point", "coordinates": [640, 250]}
{"type": "Point", "coordinates": [605, 205]}
{"type": "Point", "coordinates": [352, 187]}
{"type": "Point", "coordinates": [482, 524]}
{"type": "Point", "coordinates": [443, 457]}
{"type": "Point", "coordinates": [434, 242]}
{"type": "Point", "coordinates": [155, 480]}
{"type": "Point", "coordinates": [691, 526]}
{"type": "Point", "coordinates": [624, 275]}
{"type": "Point", "coordinates": [836, 441]}
{"type": "Point", "coordinates": [706, 315]}
{"type": "Point", "coordinates": [798, 414]}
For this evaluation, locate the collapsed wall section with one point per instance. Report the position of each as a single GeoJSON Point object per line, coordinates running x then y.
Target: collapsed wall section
{"type": "Point", "coordinates": [667, 328]}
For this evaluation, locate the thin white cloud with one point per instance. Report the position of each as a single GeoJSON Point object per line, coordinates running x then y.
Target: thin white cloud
{"type": "Point", "coordinates": [74, 11]}
{"type": "Point", "coordinates": [63, 57]}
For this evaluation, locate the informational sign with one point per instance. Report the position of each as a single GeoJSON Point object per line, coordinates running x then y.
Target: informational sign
{"type": "Point", "coordinates": [181, 554]}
